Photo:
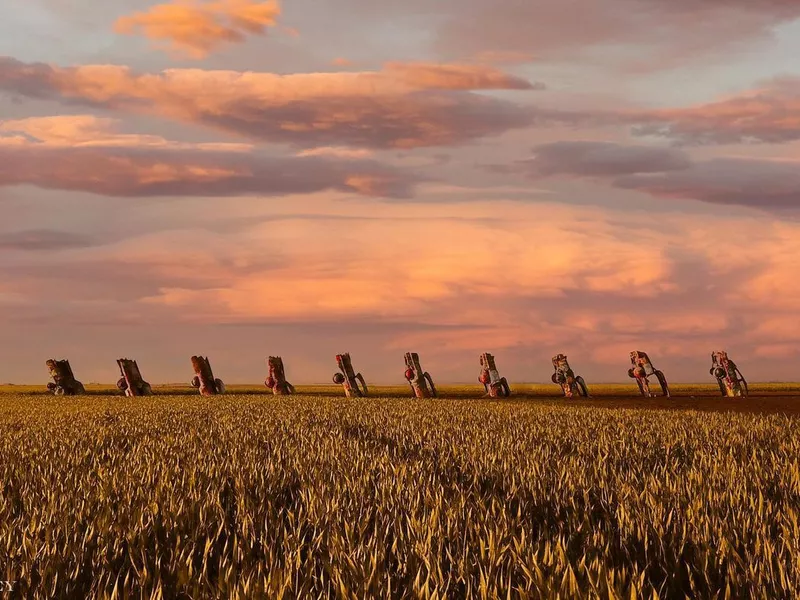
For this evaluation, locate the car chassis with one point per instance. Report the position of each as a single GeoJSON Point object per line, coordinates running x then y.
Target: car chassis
{"type": "Point", "coordinates": [276, 381]}
{"type": "Point", "coordinates": [642, 369]}
{"type": "Point", "coordinates": [420, 381]}
{"type": "Point", "coordinates": [565, 377]}
{"type": "Point", "coordinates": [132, 383]}
{"type": "Point", "coordinates": [494, 385]}
{"type": "Point", "coordinates": [352, 382]}
{"type": "Point", "coordinates": [730, 379]}
{"type": "Point", "coordinates": [204, 379]}
{"type": "Point", "coordinates": [64, 382]}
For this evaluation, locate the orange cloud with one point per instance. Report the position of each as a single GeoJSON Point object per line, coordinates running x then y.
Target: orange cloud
{"type": "Point", "coordinates": [414, 263]}
{"type": "Point", "coordinates": [433, 76]}
{"type": "Point", "coordinates": [777, 286]}
{"type": "Point", "coordinates": [402, 106]}
{"type": "Point", "coordinates": [195, 29]}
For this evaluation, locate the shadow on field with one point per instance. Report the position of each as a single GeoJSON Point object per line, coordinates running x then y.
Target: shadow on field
{"type": "Point", "coordinates": [785, 404]}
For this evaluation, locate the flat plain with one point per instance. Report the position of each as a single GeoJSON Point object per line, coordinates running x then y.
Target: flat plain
{"type": "Point", "coordinates": [250, 495]}
{"type": "Point", "coordinates": [764, 397]}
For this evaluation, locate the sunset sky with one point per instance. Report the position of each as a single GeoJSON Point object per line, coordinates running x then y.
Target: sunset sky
{"type": "Point", "coordinates": [524, 177]}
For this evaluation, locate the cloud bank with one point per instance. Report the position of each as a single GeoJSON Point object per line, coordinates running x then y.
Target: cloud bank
{"type": "Point", "coordinates": [82, 153]}
{"type": "Point", "coordinates": [403, 106]}
{"type": "Point", "coordinates": [526, 291]}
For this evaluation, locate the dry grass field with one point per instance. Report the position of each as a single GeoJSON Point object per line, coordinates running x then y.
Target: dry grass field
{"type": "Point", "coordinates": [250, 495]}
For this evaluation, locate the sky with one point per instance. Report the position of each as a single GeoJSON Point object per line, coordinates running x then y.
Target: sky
{"type": "Point", "coordinates": [241, 179]}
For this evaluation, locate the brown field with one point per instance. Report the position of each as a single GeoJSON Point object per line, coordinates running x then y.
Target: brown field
{"type": "Point", "coordinates": [248, 495]}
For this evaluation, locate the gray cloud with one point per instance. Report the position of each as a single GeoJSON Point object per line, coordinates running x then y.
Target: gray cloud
{"type": "Point", "coordinates": [748, 182]}
{"type": "Point", "coordinates": [45, 240]}
{"type": "Point", "coordinates": [666, 33]}
{"type": "Point", "coordinates": [602, 159]}
{"type": "Point", "coordinates": [768, 114]}
{"type": "Point", "coordinates": [669, 173]}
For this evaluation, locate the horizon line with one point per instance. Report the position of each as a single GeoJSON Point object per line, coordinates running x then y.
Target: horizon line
{"type": "Point", "coordinates": [478, 384]}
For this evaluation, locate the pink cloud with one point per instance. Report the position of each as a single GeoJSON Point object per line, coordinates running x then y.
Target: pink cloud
{"type": "Point", "coordinates": [87, 131]}
{"type": "Point", "coordinates": [402, 106]}
{"type": "Point", "coordinates": [195, 28]}
{"type": "Point", "coordinates": [338, 151]}
{"type": "Point", "coordinates": [87, 154]}
{"type": "Point", "coordinates": [504, 57]}
{"type": "Point", "coordinates": [453, 288]}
